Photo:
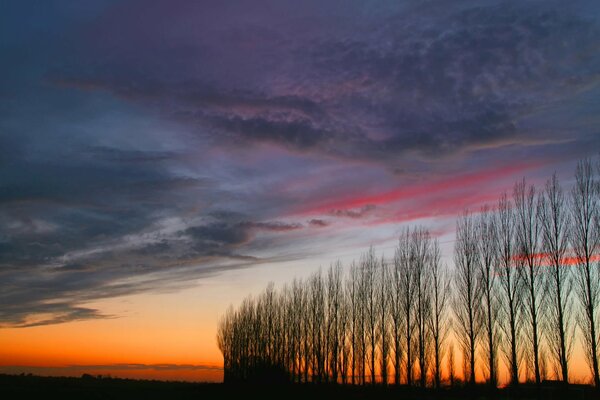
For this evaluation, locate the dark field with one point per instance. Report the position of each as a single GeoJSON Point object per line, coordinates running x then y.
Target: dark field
{"type": "Point", "coordinates": [25, 387]}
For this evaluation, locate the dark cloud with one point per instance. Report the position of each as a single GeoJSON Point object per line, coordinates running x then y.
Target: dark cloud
{"type": "Point", "coordinates": [297, 134]}
{"type": "Point", "coordinates": [31, 297]}
{"type": "Point", "coordinates": [417, 82]}
{"type": "Point", "coordinates": [318, 223]}
{"type": "Point", "coordinates": [275, 226]}
{"type": "Point", "coordinates": [29, 314]}
{"type": "Point", "coordinates": [121, 156]}
{"type": "Point", "coordinates": [160, 262]}
{"type": "Point", "coordinates": [220, 234]}
{"type": "Point", "coordinates": [355, 212]}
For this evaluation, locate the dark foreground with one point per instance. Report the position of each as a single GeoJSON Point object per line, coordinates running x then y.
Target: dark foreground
{"type": "Point", "coordinates": [35, 387]}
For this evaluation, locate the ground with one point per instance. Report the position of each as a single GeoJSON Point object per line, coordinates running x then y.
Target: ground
{"type": "Point", "coordinates": [88, 387]}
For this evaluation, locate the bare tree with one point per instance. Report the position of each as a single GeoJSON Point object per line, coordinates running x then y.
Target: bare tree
{"type": "Point", "coordinates": [383, 325]}
{"type": "Point", "coordinates": [305, 333]}
{"type": "Point", "coordinates": [397, 301]}
{"type": "Point", "coordinates": [344, 331]}
{"type": "Point", "coordinates": [421, 247]}
{"type": "Point", "coordinates": [355, 320]}
{"type": "Point", "coordinates": [488, 265]}
{"type": "Point", "coordinates": [369, 266]}
{"type": "Point", "coordinates": [554, 225]}
{"type": "Point", "coordinates": [528, 257]}
{"type": "Point", "coordinates": [585, 241]}
{"type": "Point", "coordinates": [316, 307]}
{"type": "Point", "coordinates": [438, 322]}
{"type": "Point", "coordinates": [334, 326]}
{"type": "Point", "coordinates": [467, 298]}
{"type": "Point", "coordinates": [403, 266]}
{"type": "Point", "coordinates": [511, 286]}
{"type": "Point", "coordinates": [298, 302]}
{"type": "Point", "coordinates": [225, 339]}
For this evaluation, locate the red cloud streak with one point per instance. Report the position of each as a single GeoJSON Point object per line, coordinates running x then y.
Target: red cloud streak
{"type": "Point", "coordinates": [545, 259]}
{"type": "Point", "coordinates": [410, 192]}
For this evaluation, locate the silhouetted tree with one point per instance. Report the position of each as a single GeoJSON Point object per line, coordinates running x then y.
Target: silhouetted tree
{"type": "Point", "coordinates": [344, 343]}
{"type": "Point", "coordinates": [334, 325]}
{"type": "Point", "coordinates": [487, 242]}
{"type": "Point", "coordinates": [383, 325]}
{"type": "Point", "coordinates": [355, 320]}
{"type": "Point", "coordinates": [397, 310]}
{"type": "Point", "coordinates": [467, 300]}
{"type": "Point", "coordinates": [554, 226]}
{"type": "Point", "coordinates": [528, 262]}
{"type": "Point", "coordinates": [511, 283]}
{"type": "Point", "coordinates": [585, 240]}
{"type": "Point", "coordinates": [420, 255]}
{"type": "Point", "coordinates": [403, 265]}
{"type": "Point", "coordinates": [440, 294]}
{"type": "Point", "coordinates": [369, 266]}
{"type": "Point", "coordinates": [316, 307]}
{"type": "Point", "coordinates": [297, 310]}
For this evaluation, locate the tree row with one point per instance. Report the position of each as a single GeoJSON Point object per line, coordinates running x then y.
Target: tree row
{"type": "Point", "coordinates": [524, 291]}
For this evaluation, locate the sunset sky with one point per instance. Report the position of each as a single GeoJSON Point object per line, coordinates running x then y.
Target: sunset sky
{"type": "Point", "coordinates": [161, 160]}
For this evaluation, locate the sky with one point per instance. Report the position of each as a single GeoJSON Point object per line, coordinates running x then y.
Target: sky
{"type": "Point", "coordinates": [160, 160]}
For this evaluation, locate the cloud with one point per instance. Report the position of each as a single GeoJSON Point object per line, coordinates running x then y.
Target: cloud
{"type": "Point", "coordinates": [360, 204]}
{"type": "Point", "coordinates": [295, 134]}
{"type": "Point", "coordinates": [275, 226]}
{"type": "Point", "coordinates": [418, 83]}
{"type": "Point", "coordinates": [353, 213]}
{"type": "Point", "coordinates": [61, 294]}
{"type": "Point", "coordinates": [218, 234]}
{"type": "Point", "coordinates": [139, 367]}
{"type": "Point", "coordinates": [318, 223]}
{"type": "Point", "coordinates": [53, 314]}
{"type": "Point", "coordinates": [157, 156]}
{"type": "Point", "coordinates": [164, 259]}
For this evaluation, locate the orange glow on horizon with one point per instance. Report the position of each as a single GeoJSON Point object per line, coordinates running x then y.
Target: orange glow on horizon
{"type": "Point", "coordinates": [97, 348]}
{"type": "Point", "coordinates": [152, 332]}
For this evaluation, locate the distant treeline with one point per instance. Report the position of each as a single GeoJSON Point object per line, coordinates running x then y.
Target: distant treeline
{"type": "Point", "coordinates": [526, 277]}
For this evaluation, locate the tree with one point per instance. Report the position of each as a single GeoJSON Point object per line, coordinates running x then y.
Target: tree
{"type": "Point", "coordinates": [403, 266]}
{"type": "Point", "coordinates": [554, 226]}
{"type": "Point", "coordinates": [225, 342]}
{"type": "Point", "coordinates": [585, 241]}
{"type": "Point", "coordinates": [334, 326]}
{"type": "Point", "coordinates": [316, 308]}
{"type": "Point", "coordinates": [383, 301]}
{"type": "Point", "coordinates": [297, 311]}
{"type": "Point", "coordinates": [528, 247]}
{"type": "Point", "coordinates": [343, 333]}
{"type": "Point", "coordinates": [511, 286]}
{"type": "Point", "coordinates": [420, 256]}
{"type": "Point", "coordinates": [467, 298]}
{"type": "Point", "coordinates": [397, 301]}
{"type": "Point", "coordinates": [487, 241]}
{"type": "Point", "coordinates": [369, 266]}
{"type": "Point", "coordinates": [355, 320]}
{"type": "Point", "coordinates": [438, 322]}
